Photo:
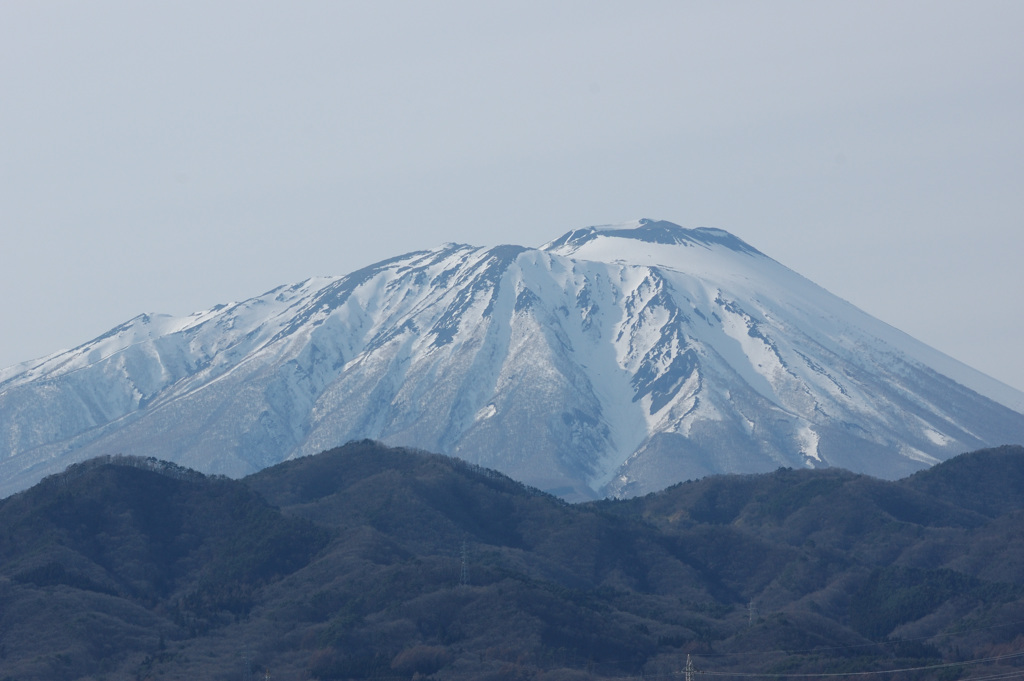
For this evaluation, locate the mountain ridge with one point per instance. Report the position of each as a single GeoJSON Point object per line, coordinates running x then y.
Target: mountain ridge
{"type": "Point", "coordinates": [368, 561]}
{"type": "Point", "coordinates": [612, 360]}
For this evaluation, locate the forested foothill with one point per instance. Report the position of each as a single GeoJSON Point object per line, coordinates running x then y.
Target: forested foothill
{"type": "Point", "coordinates": [374, 562]}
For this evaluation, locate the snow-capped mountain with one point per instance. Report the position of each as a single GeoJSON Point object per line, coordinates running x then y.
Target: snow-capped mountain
{"type": "Point", "coordinates": [611, 361]}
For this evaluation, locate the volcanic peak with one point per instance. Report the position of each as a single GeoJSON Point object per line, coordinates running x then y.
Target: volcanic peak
{"type": "Point", "coordinates": [659, 232]}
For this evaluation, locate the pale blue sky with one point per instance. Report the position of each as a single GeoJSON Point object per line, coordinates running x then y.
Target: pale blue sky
{"type": "Point", "coordinates": [169, 156]}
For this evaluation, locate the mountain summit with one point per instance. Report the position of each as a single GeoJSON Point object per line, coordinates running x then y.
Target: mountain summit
{"type": "Point", "coordinates": [614, 360]}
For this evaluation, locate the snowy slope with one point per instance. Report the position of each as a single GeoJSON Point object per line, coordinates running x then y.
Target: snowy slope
{"type": "Point", "coordinates": [613, 360]}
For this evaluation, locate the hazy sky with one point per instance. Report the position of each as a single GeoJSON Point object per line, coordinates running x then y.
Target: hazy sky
{"type": "Point", "coordinates": [169, 156]}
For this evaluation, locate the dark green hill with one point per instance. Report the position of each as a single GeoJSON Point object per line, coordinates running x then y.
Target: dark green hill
{"type": "Point", "coordinates": [371, 562]}
{"type": "Point", "coordinates": [116, 556]}
{"type": "Point", "coordinates": [989, 481]}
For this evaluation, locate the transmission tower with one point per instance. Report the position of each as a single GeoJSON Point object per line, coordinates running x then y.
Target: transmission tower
{"type": "Point", "coordinates": [691, 673]}
{"type": "Point", "coordinates": [464, 574]}
{"type": "Point", "coordinates": [752, 611]}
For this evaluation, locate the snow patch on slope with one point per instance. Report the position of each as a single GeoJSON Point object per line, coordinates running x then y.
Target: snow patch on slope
{"type": "Point", "coordinates": [808, 440]}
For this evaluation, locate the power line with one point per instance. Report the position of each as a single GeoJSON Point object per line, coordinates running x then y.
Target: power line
{"type": "Point", "coordinates": [1001, 675]}
{"type": "Point", "coordinates": [945, 665]}
{"type": "Point", "coordinates": [691, 673]}
{"type": "Point", "coordinates": [870, 644]}
{"type": "Point", "coordinates": [464, 574]}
